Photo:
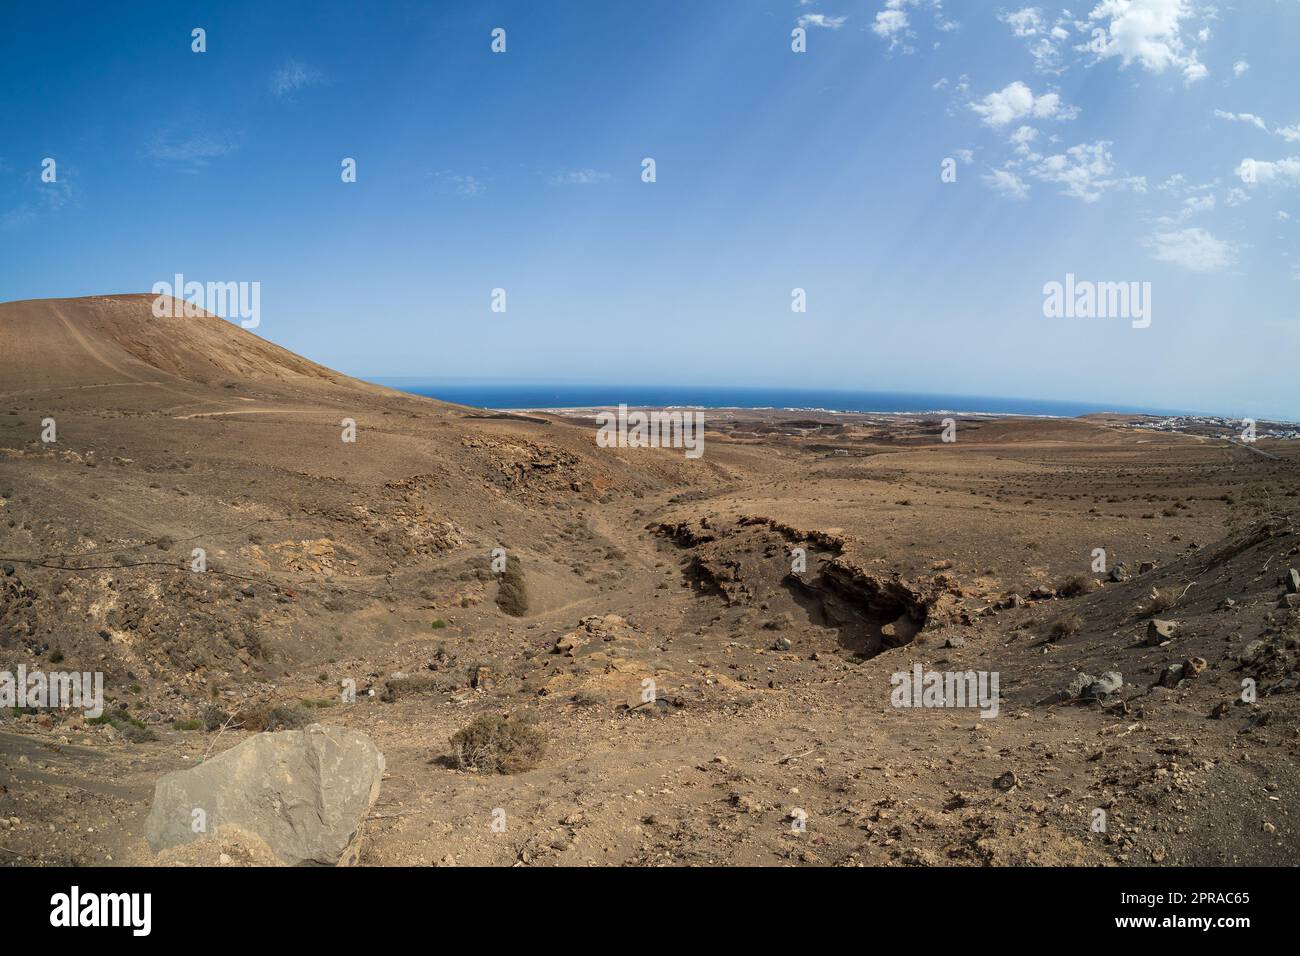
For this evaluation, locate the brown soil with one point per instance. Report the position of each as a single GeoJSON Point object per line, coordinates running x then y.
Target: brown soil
{"type": "Point", "coordinates": [371, 562]}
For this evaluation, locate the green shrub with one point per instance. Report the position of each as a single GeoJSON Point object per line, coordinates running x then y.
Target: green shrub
{"type": "Point", "coordinates": [129, 727]}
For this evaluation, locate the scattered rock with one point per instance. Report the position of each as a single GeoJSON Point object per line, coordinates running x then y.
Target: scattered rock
{"type": "Point", "coordinates": [1171, 676]}
{"type": "Point", "coordinates": [304, 792]}
{"type": "Point", "coordinates": [1079, 683]}
{"type": "Point", "coordinates": [1108, 683]}
{"type": "Point", "coordinates": [1258, 719]}
{"type": "Point", "coordinates": [1007, 782]}
{"type": "Point", "coordinates": [1159, 632]}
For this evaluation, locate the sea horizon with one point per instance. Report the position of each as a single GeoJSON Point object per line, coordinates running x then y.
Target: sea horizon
{"type": "Point", "coordinates": [499, 397]}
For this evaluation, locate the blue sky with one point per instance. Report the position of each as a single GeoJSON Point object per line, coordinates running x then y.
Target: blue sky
{"type": "Point", "coordinates": [1114, 155]}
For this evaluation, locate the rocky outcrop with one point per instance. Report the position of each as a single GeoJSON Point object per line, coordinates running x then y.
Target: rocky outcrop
{"type": "Point", "coordinates": [304, 792]}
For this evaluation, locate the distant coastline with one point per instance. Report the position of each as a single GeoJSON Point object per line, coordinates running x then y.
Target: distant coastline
{"type": "Point", "coordinates": [571, 397]}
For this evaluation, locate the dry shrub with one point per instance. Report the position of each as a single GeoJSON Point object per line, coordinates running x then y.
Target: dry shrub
{"type": "Point", "coordinates": [498, 743]}
{"type": "Point", "coordinates": [1077, 584]}
{"type": "Point", "coordinates": [398, 687]}
{"type": "Point", "coordinates": [213, 717]}
{"type": "Point", "coordinates": [512, 594]}
{"type": "Point", "coordinates": [1162, 599]}
{"type": "Point", "coordinates": [1066, 626]}
{"type": "Point", "coordinates": [271, 719]}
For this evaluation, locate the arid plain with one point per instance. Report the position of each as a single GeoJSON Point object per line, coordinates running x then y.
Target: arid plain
{"type": "Point", "coordinates": [771, 738]}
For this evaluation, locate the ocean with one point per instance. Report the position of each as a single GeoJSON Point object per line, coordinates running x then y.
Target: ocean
{"type": "Point", "coordinates": [512, 397]}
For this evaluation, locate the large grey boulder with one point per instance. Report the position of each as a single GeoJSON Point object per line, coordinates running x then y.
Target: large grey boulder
{"type": "Point", "coordinates": [304, 792]}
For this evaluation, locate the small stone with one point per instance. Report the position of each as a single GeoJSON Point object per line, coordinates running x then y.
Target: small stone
{"type": "Point", "coordinates": [225, 859]}
{"type": "Point", "coordinates": [1079, 683]}
{"type": "Point", "coordinates": [955, 642]}
{"type": "Point", "coordinates": [1257, 719]}
{"type": "Point", "coordinates": [1007, 782]}
{"type": "Point", "coordinates": [1108, 683]}
{"type": "Point", "coordinates": [1251, 651]}
{"type": "Point", "coordinates": [1194, 666]}
{"type": "Point", "coordinates": [1171, 676]}
{"type": "Point", "coordinates": [1292, 581]}
{"type": "Point", "coordinates": [1158, 632]}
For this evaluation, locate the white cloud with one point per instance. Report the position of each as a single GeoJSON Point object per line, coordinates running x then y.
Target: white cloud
{"type": "Point", "coordinates": [1194, 70]}
{"type": "Point", "coordinates": [1250, 118]}
{"type": "Point", "coordinates": [1149, 32]}
{"type": "Point", "coordinates": [821, 20]}
{"type": "Point", "coordinates": [1024, 23]}
{"type": "Point", "coordinates": [46, 198]}
{"type": "Point", "coordinates": [1240, 67]}
{"type": "Point", "coordinates": [1289, 133]}
{"type": "Point", "coordinates": [462, 184]}
{"type": "Point", "coordinates": [1195, 249]}
{"type": "Point", "coordinates": [1017, 101]}
{"type": "Point", "coordinates": [292, 77]}
{"type": "Point", "coordinates": [1085, 172]}
{"type": "Point", "coordinates": [191, 151]}
{"type": "Point", "coordinates": [579, 177]}
{"type": "Point", "coordinates": [1007, 183]}
{"type": "Point", "coordinates": [1022, 139]}
{"type": "Point", "coordinates": [965, 155]}
{"type": "Point", "coordinates": [893, 23]}
{"type": "Point", "coordinates": [1264, 172]}
{"type": "Point", "coordinates": [1043, 41]}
